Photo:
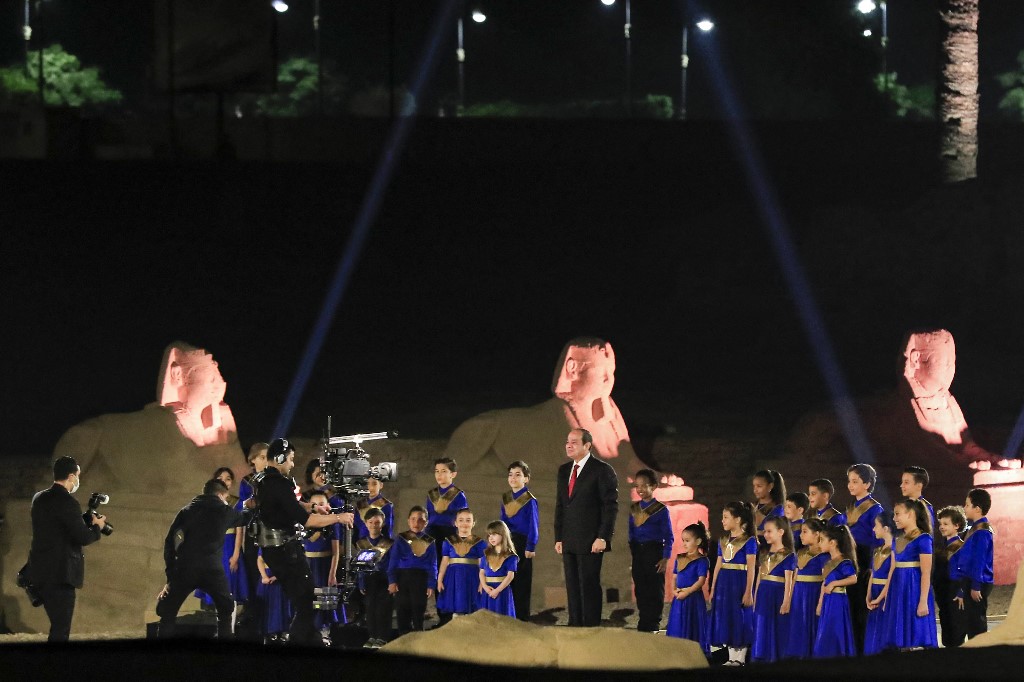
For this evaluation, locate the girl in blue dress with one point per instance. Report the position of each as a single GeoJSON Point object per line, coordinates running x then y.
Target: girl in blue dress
{"type": "Point", "coordinates": [770, 495]}
{"type": "Point", "coordinates": [803, 617]}
{"type": "Point", "coordinates": [732, 587]}
{"type": "Point", "coordinates": [322, 553]}
{"type": "Point", "coordinates": [875, 636]}
{"type": "Point", "coordinates": [687, 618]}
{"type": "Point", "coordinates": [277, 611]}
{"type": "Point", "coordinates": [835, 629]}
{"type": "Point", "coordinates": [907, 599]}
{"type": "Point", "coordinates": [458, 579]}
{"type": "Point", "coordinates": [774, 594]}
{"type": "Point", "coordinates": [497, 570]}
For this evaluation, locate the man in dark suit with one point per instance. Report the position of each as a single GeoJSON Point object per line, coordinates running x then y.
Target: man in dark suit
{"type": "Point", "coordinates": [59, 531]}
{"type": "Point", "coordinates": [585, 509]}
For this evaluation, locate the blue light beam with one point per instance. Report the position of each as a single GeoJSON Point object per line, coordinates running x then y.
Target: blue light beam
{"type": "Point", "coordinates": [366, 218]}
{"type": "Point", "coordinates": [789, 261]}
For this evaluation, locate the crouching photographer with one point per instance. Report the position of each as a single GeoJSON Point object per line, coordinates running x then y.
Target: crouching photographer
{"type": "Point", "coordinates": [56, 564]}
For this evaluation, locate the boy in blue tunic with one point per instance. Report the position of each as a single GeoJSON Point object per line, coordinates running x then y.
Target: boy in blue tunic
{"type": "Point", "coordinates": [912, 484]}
{"type": "Point", "coordinates": [819, 495]}
{"type": "Point", "coordinates": [795, 509]}
{"type": "Point", "coordinates": [443, 503]}
{"type": "Point", "coordinates": [374, 500]}
{"type": "Point", "coordinates": [520, 512]}
{"type": "Point", "coordinates": [374, 585]}
{"type": "Point", "coordinates": [974, 564]}
{"type": "Point", "coordinates": [412, 571]}
{"type": "Point", "coordinates": [650, 543]}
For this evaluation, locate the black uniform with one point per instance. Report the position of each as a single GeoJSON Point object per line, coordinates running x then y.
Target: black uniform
{"type": "Point", "coordinates": [56, 563]}
{"type": "Point", "coordinates": [193, 552]}
{"type": "Point", "coordinates": [280, 511]}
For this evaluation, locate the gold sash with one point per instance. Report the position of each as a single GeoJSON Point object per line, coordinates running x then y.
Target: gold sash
{"type": "Point", "coordinates": [839, 590]}
{"type": "Point", "coordinates": [513, 504]}
{"type": "Point", "coordinates": [470, 562]}
{"type": "Point", "coordinates": [879, 556]}
{"type": "Point", "coordinates": [684, 560]}
{"type": "Point", "coordinates": [980, 526]}
{"type": "Point", "coordinates": [804, 556]}
{"type": "Point", "coordinates": [908, 564]}
{"type": "Point", "coordinates": [419, 545]}
{"type": "Point", "coordinates": [905, 539]}
{"type": "Point", "coordinates": [319, 555]}
{"type": "Point", "coordinates": [731, 546]}
{"type": "Point", "coordinates": [384, 544]}
{"type": "Point", "coordinates": [952, 548]}
{"type": "Point", "coordinates": [733, 567]}
{"type": "Point", "coordinates": [494, 579]}
{"type": "Point", "coordinates": [363, 506]}
{"type": "Point", "coordinates": [832, 565]}
{"type": "Point", "coordinates": [879, 581]}
{"type": "Point", "coordinates": [768, 558]}
{"type": "Point", "coordinates": [501, 560]}
{"type": "Point", "coordinates": [854, 513]}
{"type": "Point", "coordinates": [462, 546]}
{"type": "Point", "coordinates": [773, 578]}
{"type": "Point", "coordinates": [640, 515]}
{"type": "Point", "coordinates": [760, 514]}
{"type": "Point", "coordinates": [810, 578]}
{"type": "Point", "coordinates": [827, 513]}
{"type": "Point", "coordinates": [440, 501]}
{"type": "Point", "coordinates": [230, 531]}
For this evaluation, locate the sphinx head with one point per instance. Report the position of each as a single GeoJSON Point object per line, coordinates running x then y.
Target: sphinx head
{"type": "Point", "coordinates": [585, 370]}
{"type": "Point", "coordinates": [930, 359]}
{"type": "Point", "coordinates": [190, 377]}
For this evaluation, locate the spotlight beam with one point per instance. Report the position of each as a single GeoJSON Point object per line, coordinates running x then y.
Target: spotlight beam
{"type": "Point", "coordinates": [368, 212]}
{"type": "Point", "coordinates": [774, 219]}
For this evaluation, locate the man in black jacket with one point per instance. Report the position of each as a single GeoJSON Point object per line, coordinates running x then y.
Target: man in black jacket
{"type": "Point", "coordinates": [59, 531]}
{"type": "Point", "coordinates": [585, 509]}
{"type": "Point", "coordinates": [193, 552]}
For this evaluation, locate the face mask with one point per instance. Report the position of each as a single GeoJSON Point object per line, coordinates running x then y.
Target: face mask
{"type": "Point", "coordinates": [78, 481]}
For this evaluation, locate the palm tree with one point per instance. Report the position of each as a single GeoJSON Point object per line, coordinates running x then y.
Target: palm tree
{"type": "Point", "coordinates": [958, 91]}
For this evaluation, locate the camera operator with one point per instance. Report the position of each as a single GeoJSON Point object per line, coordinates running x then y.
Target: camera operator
{"type": "Point", "coordinates": [282, 549]}
{"type": "Point", "coordinates": [198, 531]}
{"type": "Point", "coordinates": [59, 531]}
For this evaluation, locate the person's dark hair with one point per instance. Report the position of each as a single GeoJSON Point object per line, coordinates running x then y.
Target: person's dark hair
{"type": "Point", "coordinates": [520, 464]}
{"type": "Point", "coordinates": [981, 499]}
{"type": "Point", "coordinates": [417, 508]}
{"type": "Point", "coordinates": [815, 524]}
{"type": "Point", "coordinates": [744, 511]}
{"type": "Point", "coordinates": [778, 491]}
{"type": "Point", "coordinates": [885, 518]}
{"type": "Point", "coordinates": [824, 485]}
{"type": "Point", "coordinates": [700, 532]}
{"type": "Point", "coordinates": [586, 438]}
{"type": "Point", "coordinates": [866, 473]}
{"type": "Point", "coordinates": [920, 474]}
{"type": "Point", "coordinates": [448, 462]}
{"type": "Point", "coordinates": [310, 494]}
{"type": "Point", "coordinates": [782, 523]}
{"type": "Point", "coordinates": [922, 518]}
{"type": "Point", "coordinates": [312, 466]}
{"type": "Point", "coordinates": [214, 486]}
{"type": "Point", "coordinates": [844, 541]}
{"type": "Point", "coordinates": [372, 512]}
{"type": "Point", "coordinates": [649, 474]}
{"type": "Point", "coordinates": [955, 514]}
{"type": "Point", "coordinates": [64, 467]}
{"type": "Point", "coordinates": [799, 500]}
{"type": "Point", "coordinates": [221, 470]}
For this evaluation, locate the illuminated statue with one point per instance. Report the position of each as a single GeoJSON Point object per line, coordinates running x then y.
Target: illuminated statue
{"type": "Point", "coordinates": [582, 386]}
{"type": "Point", "coordinates": [930, 365]}
{"type": "Point", "coordinates": [192, 387]}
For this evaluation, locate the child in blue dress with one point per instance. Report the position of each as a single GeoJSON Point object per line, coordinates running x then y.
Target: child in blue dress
{"type": "Point", "coordinates": [322, 553]}
{"type": "Point", "coordinates": [803, 617]}
{"type": "Point", "coordinates": [907, 598]}
{"type": "Point", "coordinates": [732, 587]}
{"type": "Point", "coordinates": [277, 610]}
{"type": "Point", "coordinates": [835, 629]}
{"type": "Point", "coordinates": [875, 636]}
{"type": "Point", "coordinates": [687, 618]}
{"type": "Point", "coordinates": [774, 594]}
{"type": "Point", "coordinates": [770, 495]}
{"type": "Point", "coordinates": [458, 579]}
{"type": "Point", "coordinates": [498, 570]}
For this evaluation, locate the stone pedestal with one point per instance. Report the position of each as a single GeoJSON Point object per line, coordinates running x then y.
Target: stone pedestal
{"type": "Point", "coordinates": [1006, 486]}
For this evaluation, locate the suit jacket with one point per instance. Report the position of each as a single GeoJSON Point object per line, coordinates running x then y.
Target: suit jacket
{"type": "Point", "coordinates": [590, 512]}
{"type": "Point", "coordinates": [58, 534]}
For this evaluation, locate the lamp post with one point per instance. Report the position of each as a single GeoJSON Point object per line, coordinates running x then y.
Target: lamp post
{"type": "Point", "coordinates": [318, 47]}
{"type": "Point", "coordinates": [628, 34]}
{"type": "Point", "coordinates": [704, 25]}
{"type": "Point", "coordinates": [460, 55]}
{"type": "Point", "coordinates": [866, 7]}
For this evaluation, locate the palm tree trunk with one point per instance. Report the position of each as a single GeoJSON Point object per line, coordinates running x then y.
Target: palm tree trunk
{"type": "Point", "coordinates": [958, 91]}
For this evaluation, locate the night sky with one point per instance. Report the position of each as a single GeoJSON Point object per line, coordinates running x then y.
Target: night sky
{"type": "Point", "coordinates": [482, 266]}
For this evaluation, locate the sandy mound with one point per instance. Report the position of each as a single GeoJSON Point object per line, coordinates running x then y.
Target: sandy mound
{"type": "Point", "coordinates": [1011, 631]}
{"type": "Point", "coordinates": [537, 646]}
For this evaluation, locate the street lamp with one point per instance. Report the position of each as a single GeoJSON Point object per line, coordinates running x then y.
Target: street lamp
{"type": "Point", "coordinates": [280, 6]}
{"type": "Point", "coordinates": [627, 30]}
{"type": "Point", "coordinates": [867, 7]}
{"type": "Point", "coordinates": [460, 54]}
{"type": "Point", "coordinates": [704, 26]}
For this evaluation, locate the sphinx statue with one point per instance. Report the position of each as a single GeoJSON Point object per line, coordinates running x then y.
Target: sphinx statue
{"type": "Point", "coordinates": [929, 367]}
{"type": "Point", "coordinates": [582, 386]}
{"type": "Point", "coordinates": [190, 384]}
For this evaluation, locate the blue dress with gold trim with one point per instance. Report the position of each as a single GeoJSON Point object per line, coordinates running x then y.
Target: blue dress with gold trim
{"type": "Point", "coordinates": [904, 629]}
{"type": "Point", "coordinates": [461, 592]}
{"type": "Point", "coordinates": [771, 628]}
{"type": "Point", "coordinates": [732, 624]}
{"type": "Point", "coordinates": [503, 604]}
{"type": "Point", "coordinates": [687, 618]}
{"type": "Point", "coordinates": [835, 628]}
{"type": "Point", "coordinates": [803, 619]}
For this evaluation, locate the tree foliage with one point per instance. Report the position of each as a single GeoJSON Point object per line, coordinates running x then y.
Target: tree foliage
{"type": "Point", "coordinates": [915, 102]}
{"type": "Point", "coordinates": [65, 81]}
{"type": "Point", "coordinates": [297, 85]}
{"type": "Point", "coordinates": [650, 106]}
{"type": "Point", "coordinates": [1011, 104]}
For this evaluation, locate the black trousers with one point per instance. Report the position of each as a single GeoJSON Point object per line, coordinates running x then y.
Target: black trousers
{"type": "Point", "coordinates": [858, 594]}
{"type": "Point", "coordinates": [583, 588]}
{"type": "Point", "coordinates": [412, 599]}
{"type": "Point", "coordinates": [950, 618]}
{"type": "Point", "coordinates": [648, 584]}
{"type": "Point", "coordinates": [975, 613]}
{"type": "Point", "coordinates": [289, 564]}
{"type": "Point", "coordinates": [378, 605]}
{"type": "Point", "coordinates": [440, 534]}
{"type": "Point", "coordinates": [59, 604]}
{"type": "Point", "coordinates": [210, 579]}
{"type": "Point", "coordinates": [522, 586]}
